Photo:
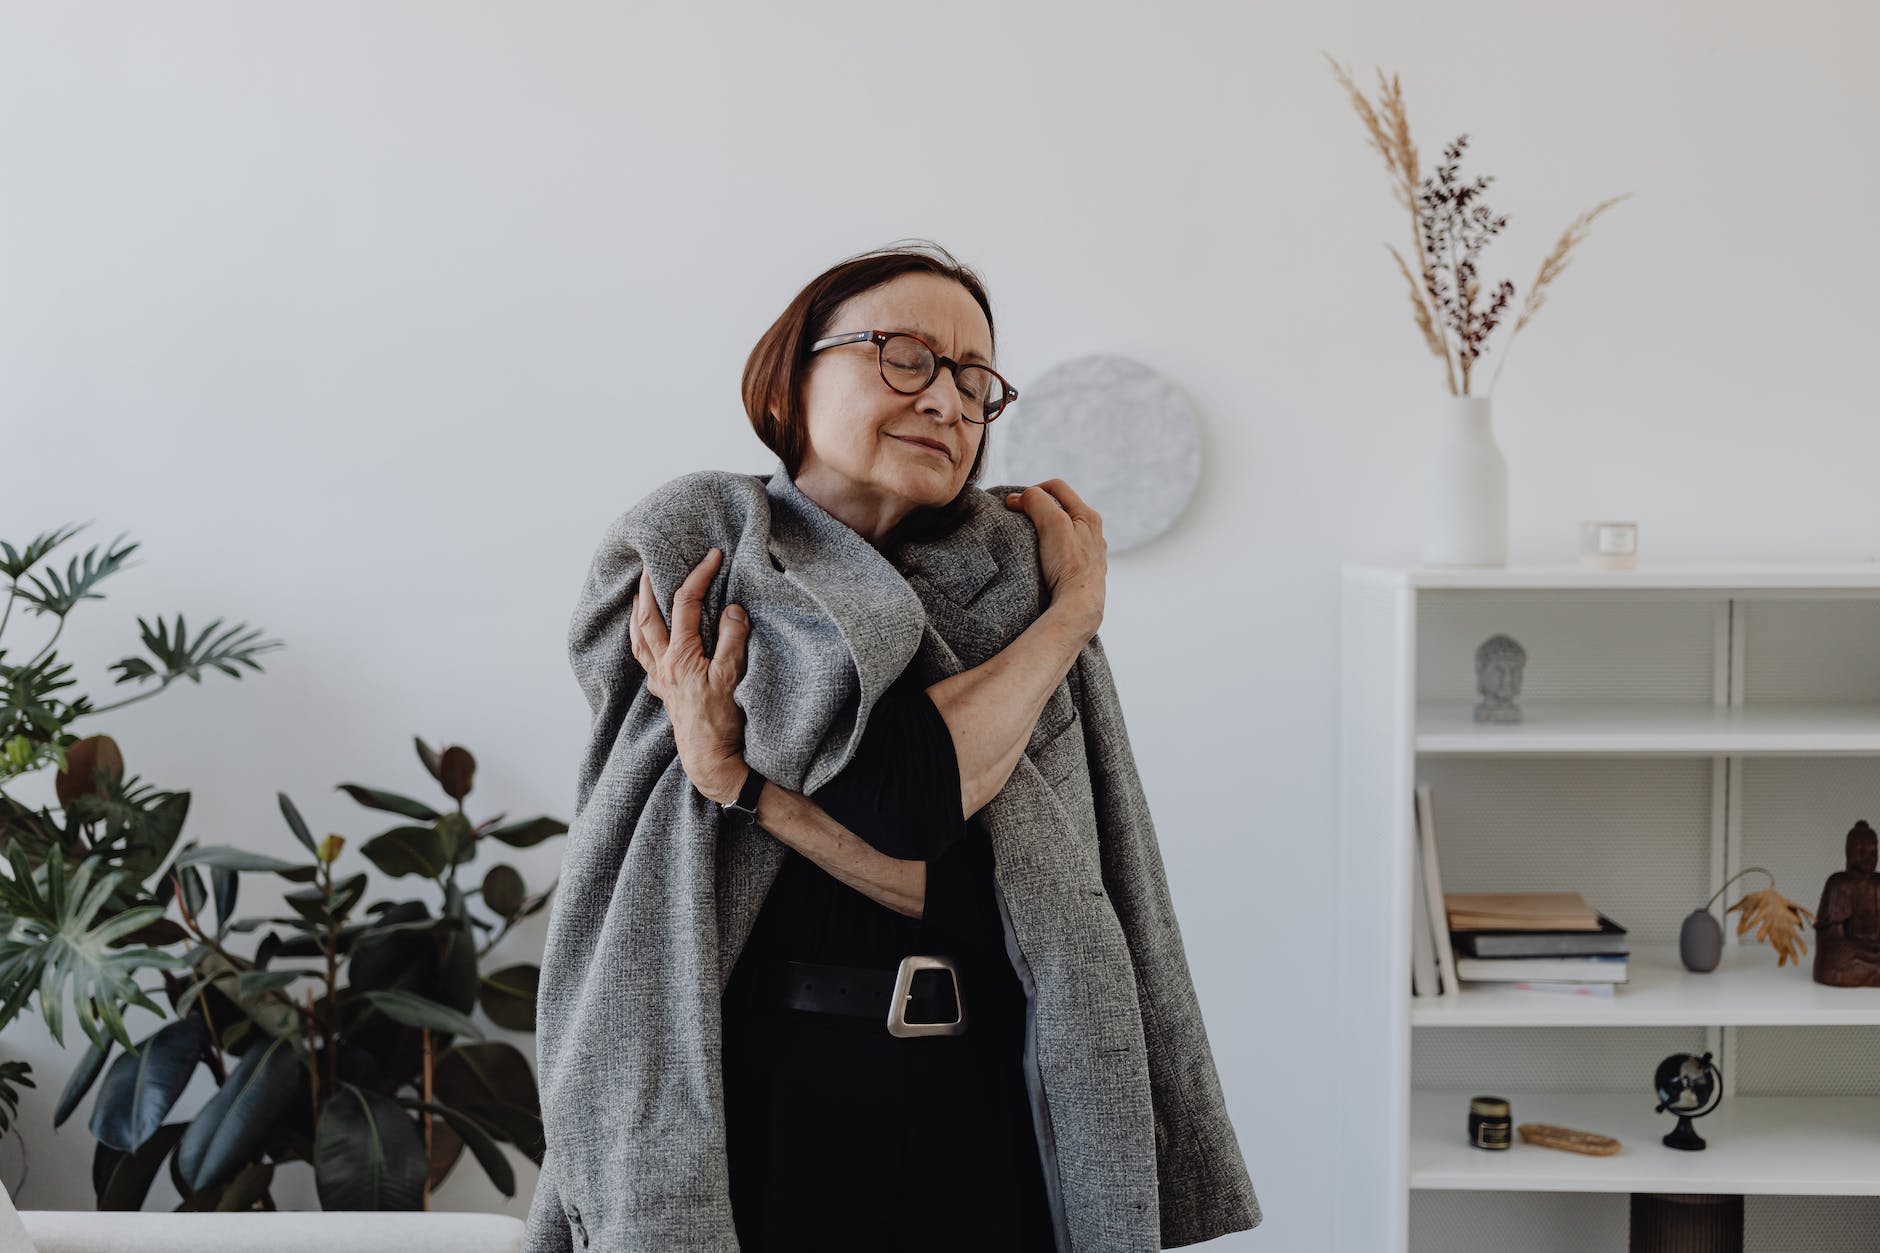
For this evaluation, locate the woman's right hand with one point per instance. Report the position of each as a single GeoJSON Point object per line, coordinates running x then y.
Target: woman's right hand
{"type": "Point", "coordinates": [1072, 552]}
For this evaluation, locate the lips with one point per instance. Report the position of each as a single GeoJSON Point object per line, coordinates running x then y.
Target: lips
{"type": "Point", "coordinates": [926, 443]}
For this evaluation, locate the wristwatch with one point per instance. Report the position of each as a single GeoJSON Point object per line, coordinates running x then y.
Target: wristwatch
{"type": "Point", "coordinates": [746, 803]}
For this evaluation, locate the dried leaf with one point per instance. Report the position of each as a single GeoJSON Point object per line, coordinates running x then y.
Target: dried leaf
{"type": "Point", "coordinates": [1777, 920]}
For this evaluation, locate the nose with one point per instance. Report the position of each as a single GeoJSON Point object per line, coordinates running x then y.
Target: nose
{"type": "Point", "coordinates": [935, 402]}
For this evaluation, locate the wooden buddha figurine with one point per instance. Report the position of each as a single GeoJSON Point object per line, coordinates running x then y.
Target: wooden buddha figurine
{"type": "Point", "coordinates": [1847, 926]}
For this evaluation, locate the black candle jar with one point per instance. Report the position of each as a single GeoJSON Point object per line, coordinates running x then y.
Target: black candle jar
{"type": "Point", "coordinates": [1491, 1126]}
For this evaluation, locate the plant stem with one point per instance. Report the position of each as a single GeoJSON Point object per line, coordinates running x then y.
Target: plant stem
{"type": "Point", "coordinates": [426, 1116]}
{"type": "Point", "coordinates": [1733, 878]}
{"type": "Point", "coordinates": [332, 978]}
{"type": "Point", "coordinates": [1423, 263]}
{"type": "Point", "coordinates": [1455, 277]}
{"type": "Point", "coordinates": [195, 929]}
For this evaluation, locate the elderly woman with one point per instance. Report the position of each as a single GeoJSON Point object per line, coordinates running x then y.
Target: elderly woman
{"type": "Point", "coordinates": [880, 1028]}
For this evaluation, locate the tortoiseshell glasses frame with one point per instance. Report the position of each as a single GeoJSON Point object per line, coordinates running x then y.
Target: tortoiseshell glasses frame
{"type": "Point", "coordinates": [880, 339]}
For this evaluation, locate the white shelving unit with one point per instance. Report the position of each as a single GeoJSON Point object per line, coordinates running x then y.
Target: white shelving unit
{"type": "Point", "coordinates": [1680, 723]}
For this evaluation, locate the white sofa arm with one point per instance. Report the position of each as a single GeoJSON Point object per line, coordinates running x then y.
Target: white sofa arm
{"type": "Point", "coordinates": [312, 1231]}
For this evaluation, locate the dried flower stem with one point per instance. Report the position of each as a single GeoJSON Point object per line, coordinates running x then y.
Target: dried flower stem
{"type": "Point", "coordinates": [1550, 270]}
{"type": "Point", "coordinates": [1450, 226]}
{"type": "Point", "coordinates": [1390, 135]}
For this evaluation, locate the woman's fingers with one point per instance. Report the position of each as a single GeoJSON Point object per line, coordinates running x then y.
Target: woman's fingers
{"type": "Point", "coordinates": [652, 622]}
{"type": "Point", "coordinates": [1073, 503]}
{"type": "Point", "coordinates": [1054, 502]}
{"type": "Point", "coordinates": [734, 631]}
{"type": "Point", "coordinates": [1042, 508]}
{"type": "Point", "coordinates": [646, 632]}
{"type": "Point", "coordinates": [688, 602]}
{"type": "Point", "coordinates": [664, 655]}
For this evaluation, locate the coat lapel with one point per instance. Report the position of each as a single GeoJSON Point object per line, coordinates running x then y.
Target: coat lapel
{"type": "Point", "coordinates": [948, 574]}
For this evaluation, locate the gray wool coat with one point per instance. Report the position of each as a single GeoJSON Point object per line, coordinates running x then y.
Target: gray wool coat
{"type": "Point", "coordinates": [658, 893]}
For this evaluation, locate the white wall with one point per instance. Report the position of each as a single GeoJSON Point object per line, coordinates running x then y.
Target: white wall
{"type": "Point", "coordinates": [365, 318]}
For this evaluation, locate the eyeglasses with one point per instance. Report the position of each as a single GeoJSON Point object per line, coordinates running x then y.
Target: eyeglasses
{"type": "Point", "coordinates": [909, 366]}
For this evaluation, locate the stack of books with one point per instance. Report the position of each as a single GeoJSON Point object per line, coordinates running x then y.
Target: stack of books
{"type": "Point", "coordinates": [1539, 941]}
{"type": "Point", "coordinates": [1546, 941]}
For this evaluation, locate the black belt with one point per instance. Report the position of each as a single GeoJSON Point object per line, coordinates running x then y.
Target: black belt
{"type": "Point", "coordinates": [936, 1004]}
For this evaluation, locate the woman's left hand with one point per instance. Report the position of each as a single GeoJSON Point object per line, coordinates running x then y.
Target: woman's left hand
{"type": "Point", "coordinates": [706, 722]}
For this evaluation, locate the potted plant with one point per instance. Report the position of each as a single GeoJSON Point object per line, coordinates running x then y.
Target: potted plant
{"type": "Point", "coordinates": [343, 1037]}
{"type": "Point", "coordinates": [79, 918]}
{"type": "Point", "coordinates": [1466, 492]}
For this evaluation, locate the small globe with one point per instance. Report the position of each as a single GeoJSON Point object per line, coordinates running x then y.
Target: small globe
{"type": "Point", "coordinates": [1689, 1086]}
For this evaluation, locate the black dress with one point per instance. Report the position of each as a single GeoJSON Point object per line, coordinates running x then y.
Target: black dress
{"type": "Point", "coordinates": [839, 1135]}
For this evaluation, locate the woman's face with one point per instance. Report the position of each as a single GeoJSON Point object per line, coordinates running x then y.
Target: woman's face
{"type": "Point", "coordinates": [863, 464]}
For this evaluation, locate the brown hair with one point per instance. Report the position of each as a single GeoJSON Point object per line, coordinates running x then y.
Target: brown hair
{"type": "Point", "coordinates": [773, 375]}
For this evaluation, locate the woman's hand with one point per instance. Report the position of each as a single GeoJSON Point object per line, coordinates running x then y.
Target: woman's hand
{"type": "Point", "coordinates": [1071, 549]}
{"type": "Point", "coordinates": [706, 722]}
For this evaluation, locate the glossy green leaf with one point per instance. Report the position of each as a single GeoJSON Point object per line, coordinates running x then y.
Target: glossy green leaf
{"type": "Point", "coordinates": [296, 823]}
{"type": "Point", "coordinates": [488, 1153]}
{"type": "Point", "coordinates": [407, 851]}
{"type": "Point", "coordinates": [367, 1154]}
{"type": "Point", "coordinates": [456, 768]}
{"type": "Point", "coordinates": [238, 1119]}
{"type": "Point", "coordinates": [128, 1176]}
{"type": "Point", "coordinates": [508, 996]}
{"type": "Point", "coordinates": [530, 832]}
{"type": "Point", "coordinates": [86, 1073]}
{"type": "Point", "coordinates": [231, 858]}
{"type": "Point", "coordinates": [503, 889]}
{"type": "Point", "coordinates": [140, 1087]}
{"type": "Point", "coordinates": [391, 802]}
{"type": "Point", "coordinates": [421, 1011]}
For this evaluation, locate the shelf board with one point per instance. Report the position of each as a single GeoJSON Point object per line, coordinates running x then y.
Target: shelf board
{"type": "Point", "coordinates": [1718, 576]}
{"type": "Point", "coordinates": [1637, 728]}
{"type": "Point", "coordinates": [1787, 1145]}
{"type": "Point", "coordinates": [1747, 989]}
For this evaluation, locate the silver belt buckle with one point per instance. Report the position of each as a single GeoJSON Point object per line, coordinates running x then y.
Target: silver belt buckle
{"type": "Point", "coordinates": [898, 1025]}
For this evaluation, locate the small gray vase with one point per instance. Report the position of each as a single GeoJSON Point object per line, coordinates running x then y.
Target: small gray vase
{"type": "Point", "coordinates": [1700, 941]}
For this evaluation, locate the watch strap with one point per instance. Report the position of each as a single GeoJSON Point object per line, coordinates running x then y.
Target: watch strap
{"type": "Point", "coordinates": [748, 794]}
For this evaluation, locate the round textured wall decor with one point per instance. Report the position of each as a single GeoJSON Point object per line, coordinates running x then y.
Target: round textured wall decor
{"type": "Point", "coordinates": [1123, 436]}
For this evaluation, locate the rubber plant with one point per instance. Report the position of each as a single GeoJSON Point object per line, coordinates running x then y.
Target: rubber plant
{"type": "Point", "coordinates": [344, 1036]}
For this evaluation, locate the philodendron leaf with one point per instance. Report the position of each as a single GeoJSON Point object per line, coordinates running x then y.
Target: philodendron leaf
{"type": "Point", "coordinates": [367, 1154]}
{"type": "Point", "coordinates": [239, 1118]}
{"type": "Point", "coordinates": [140, 1087]}
{"type": "Point", "coordinates": [61, 935]}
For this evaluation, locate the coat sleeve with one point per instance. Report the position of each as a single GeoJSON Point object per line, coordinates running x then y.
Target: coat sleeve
{"type": "Point", "coordinates": [547, 1229]}
{"type": "Point", "coordinates": [1204, 1187]}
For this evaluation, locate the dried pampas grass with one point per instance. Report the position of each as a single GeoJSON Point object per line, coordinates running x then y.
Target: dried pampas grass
{"type": "Point", "coordinates": [1550, 270]}
{"type": "Point", "coordinates": [1440, 214]}
{"type": "Point", "coordinates": [1388, 126]}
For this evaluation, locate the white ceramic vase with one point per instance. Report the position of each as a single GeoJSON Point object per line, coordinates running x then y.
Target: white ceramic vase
{"type": "Point", "coordinates": [1465, 520]}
